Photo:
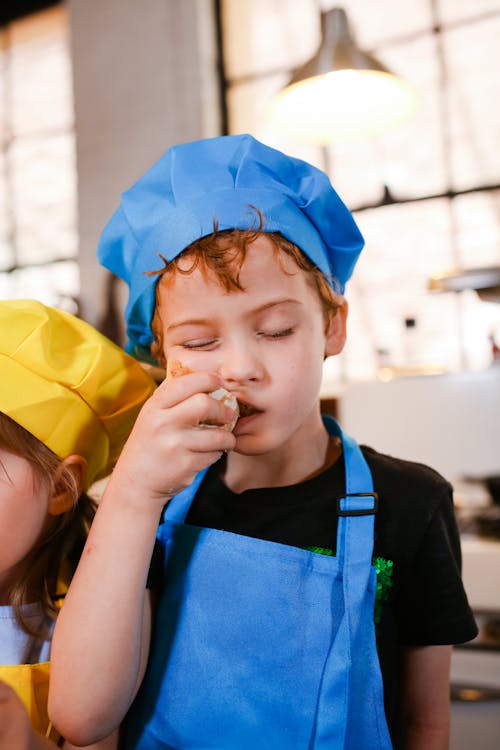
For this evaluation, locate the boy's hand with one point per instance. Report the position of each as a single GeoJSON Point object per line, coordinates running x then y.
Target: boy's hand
{"type": "Point", "coordinates": [175, 369]}
{"type": "Point", "coordinates": [15, 727]}
{"type": "Point", "coordinates": [169, 443]}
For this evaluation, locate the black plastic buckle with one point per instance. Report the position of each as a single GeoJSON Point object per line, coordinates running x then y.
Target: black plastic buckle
{"type": "Point", "coordinates": [360, 511]}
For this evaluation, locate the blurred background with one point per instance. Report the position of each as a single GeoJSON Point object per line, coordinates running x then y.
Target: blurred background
{"type": "Point", "coordinates": [92, 92]}
{"type": "Point", "coordinates": [403, 112]}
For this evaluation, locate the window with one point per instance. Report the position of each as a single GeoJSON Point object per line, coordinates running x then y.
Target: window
{"type": "Point", "coordinates": [38, 223]}
{"type": "Point", "coordinates": [426, 195]}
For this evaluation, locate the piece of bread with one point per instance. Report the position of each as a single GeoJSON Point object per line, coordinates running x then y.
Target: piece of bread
{"type": "Point", "coordinates": [175, 369]}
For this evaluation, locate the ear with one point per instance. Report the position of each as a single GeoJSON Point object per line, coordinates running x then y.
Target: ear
{"type": "Point", "coordinates": [336, 333]}
{"type": "Point", "coordinates": [66, 493]}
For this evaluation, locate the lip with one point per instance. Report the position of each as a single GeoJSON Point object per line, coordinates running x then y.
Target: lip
{"type": "Point", "coordinates": [248, 412]}
{"type": "Point", "coordinates": [243, 423]}
{"type": "Point", "coordinates": [246, 409]}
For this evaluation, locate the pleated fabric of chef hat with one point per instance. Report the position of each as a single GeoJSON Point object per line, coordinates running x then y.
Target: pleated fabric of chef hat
{"type": "Point", "coordinates": [67, 384]}
{"type": "Point", "coordinates": [193, 184]}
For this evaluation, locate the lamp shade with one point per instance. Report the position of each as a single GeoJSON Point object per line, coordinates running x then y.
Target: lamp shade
{"type": "Point", "coordinates": [342, 92]}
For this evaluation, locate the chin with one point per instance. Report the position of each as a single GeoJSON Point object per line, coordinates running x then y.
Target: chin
{"type": "Point", "coordinates": [250, 445]}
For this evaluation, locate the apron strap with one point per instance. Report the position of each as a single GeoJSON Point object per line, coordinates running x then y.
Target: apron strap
{"type": "Point", "coordinates": [177, 508]}
{"type": "Point", "coordinates": [356, 524]}
{"type": "Point", "coordinates": [355, 535]}
{"type": "Point", "coordinates": [357, 507]}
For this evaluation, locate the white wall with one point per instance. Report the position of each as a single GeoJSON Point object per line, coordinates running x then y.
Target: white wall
{"type": "Point", "coordinates": [144, 78]}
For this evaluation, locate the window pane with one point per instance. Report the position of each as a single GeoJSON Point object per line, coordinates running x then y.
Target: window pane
{"type": "Point", "coordinates": [43, 179]}
{"type": "Point", "coordinates": [38, 222]}
{"type": "Point", "coordinates": [55, 284]}
{"type": "Point", "coordinates": [40, 73]}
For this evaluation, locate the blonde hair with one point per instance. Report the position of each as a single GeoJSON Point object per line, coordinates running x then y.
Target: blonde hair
{"type": "Point", "coordinates": [223, 253]}
{"type": "Point", "coordinates": [66, 536]}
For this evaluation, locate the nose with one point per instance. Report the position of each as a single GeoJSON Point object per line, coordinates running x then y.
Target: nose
{"type": "Point", "coordinates": [240, 364]}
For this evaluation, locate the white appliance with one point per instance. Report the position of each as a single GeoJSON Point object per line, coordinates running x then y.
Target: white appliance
{"type": "Point", "coordinates": [475, 669]}
{"type": "Point", "coordinates": [452, 423]}
{"type": "Point", "coordinates": [449, 421]}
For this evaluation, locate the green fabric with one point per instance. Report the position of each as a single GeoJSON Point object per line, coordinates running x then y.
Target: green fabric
{"type": "Point", "coordinates": [385, 581]}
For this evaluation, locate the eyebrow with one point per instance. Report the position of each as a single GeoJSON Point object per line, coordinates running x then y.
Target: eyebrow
{"type": "Point", "coordinates": [260, 309]}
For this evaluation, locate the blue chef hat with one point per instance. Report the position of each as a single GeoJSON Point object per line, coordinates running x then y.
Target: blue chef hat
{"type": "Point", "coordinates": [177, 200]}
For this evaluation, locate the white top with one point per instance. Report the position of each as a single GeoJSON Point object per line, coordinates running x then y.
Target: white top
{"type": "Point", "coordinates": [16, 646]}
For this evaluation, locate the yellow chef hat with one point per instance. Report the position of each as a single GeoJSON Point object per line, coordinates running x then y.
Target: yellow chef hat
{"type": "Point", "coordinates": [67, 384]}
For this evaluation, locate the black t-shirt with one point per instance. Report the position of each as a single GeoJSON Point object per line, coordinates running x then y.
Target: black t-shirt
{"type": "Point", "coordinates": [420, 597]}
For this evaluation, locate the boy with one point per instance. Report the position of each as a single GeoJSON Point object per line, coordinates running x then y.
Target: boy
{"type": "Point", "coordinates": [271, 596]}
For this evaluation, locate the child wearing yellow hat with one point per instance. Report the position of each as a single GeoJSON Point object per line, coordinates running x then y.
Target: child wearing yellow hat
{"type": "Point", "coordinates": [68, 400]}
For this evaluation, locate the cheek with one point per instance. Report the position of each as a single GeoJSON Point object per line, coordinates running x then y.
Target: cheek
{"type": "Point", "coordinates": [299, 376]}
{"type": "Point", "coordinates": [310, 349]}
{"type": "Point", "coordinates": [197, 361]}
{"type": "Point", "coordinates": [22, 520]}
{"type": "Point", "coordinates": [33, 519]}
{"type": "Point", "coordinates": [34, 507]}
{"type": "Point", "coordinates": [307, 369]}
{"type": "Point", "coordinates": [23, 504]}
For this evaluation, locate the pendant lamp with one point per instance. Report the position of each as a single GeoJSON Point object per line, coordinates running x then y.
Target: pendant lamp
{"type": "Point", "coordinates": [342, 92]}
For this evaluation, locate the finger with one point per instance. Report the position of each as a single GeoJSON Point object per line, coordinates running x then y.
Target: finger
{"type": "Point", "coordinates": [195, 439]}
{"type": "Point", "coordinates": [196, 410]}
{"type": "Point", "coordinates": [204, 449]}
{"type": "Point", "coordinates": [215, 411]}
{"type": "Point", "coordinates": [172, 392]}
{"type": "Point", "coordinates": [210, 440]}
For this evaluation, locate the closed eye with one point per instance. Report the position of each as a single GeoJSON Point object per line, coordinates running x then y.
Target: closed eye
{"type": "Point", "coordinates": [277, 334]}
{"type": "Point", "coordinates": [199, 344]}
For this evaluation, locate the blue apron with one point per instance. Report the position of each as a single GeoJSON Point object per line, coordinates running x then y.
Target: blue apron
{"type": "Point", "coordinates": [260, 645]}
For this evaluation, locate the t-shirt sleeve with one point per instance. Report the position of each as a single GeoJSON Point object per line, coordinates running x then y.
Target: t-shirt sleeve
{"type": "Point", "coordinates": [432, 606]}
{"type": "Point", "coordinates": [155, 574]}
